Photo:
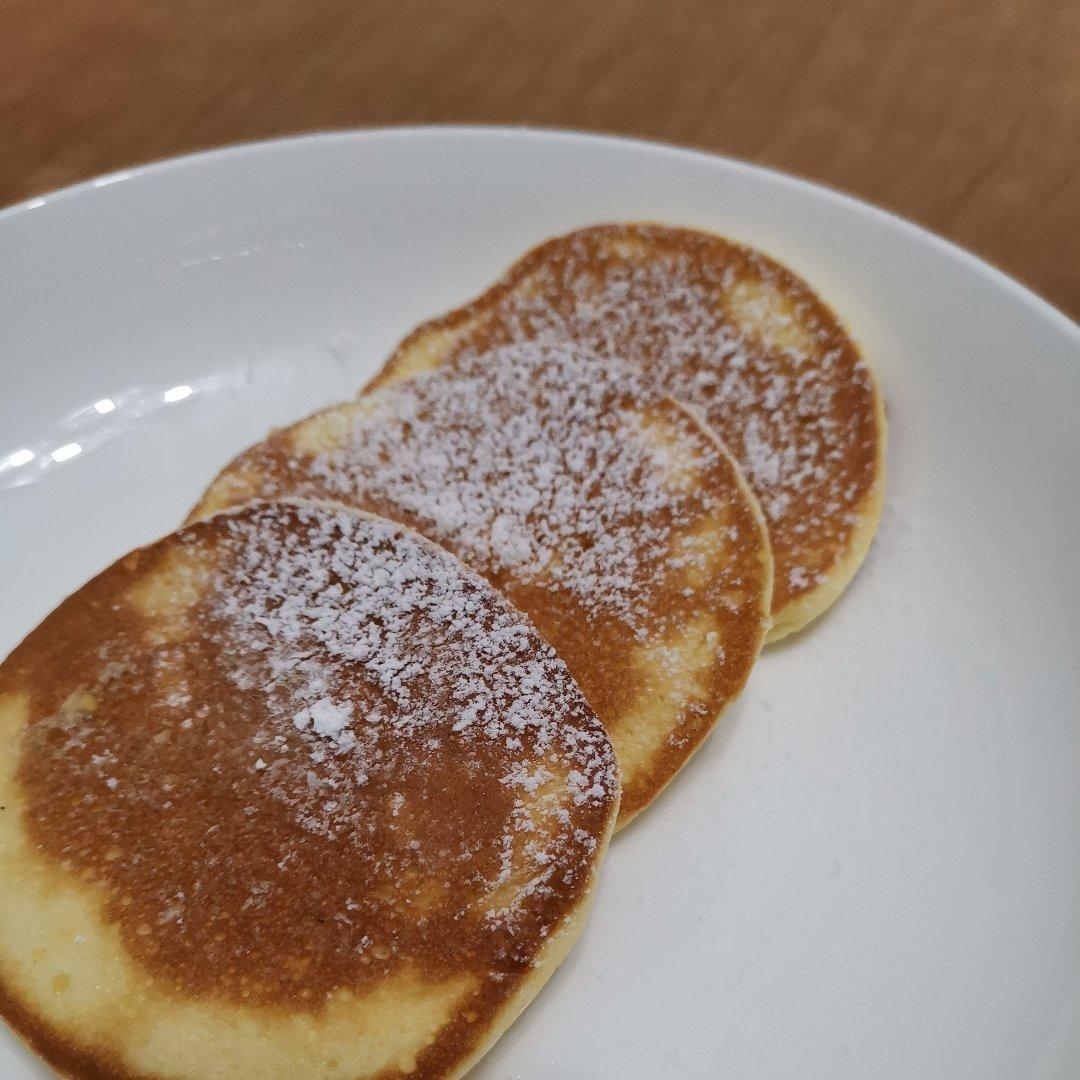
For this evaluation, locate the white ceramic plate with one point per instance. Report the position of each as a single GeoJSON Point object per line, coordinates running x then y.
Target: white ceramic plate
{"type": "Point", "coordinates": [872, 871]}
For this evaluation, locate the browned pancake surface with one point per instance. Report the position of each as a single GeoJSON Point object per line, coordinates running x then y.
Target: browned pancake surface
{"type": "Point", "coordinates": [302, 755]}
{"type": "Point", "coordinates": [726, 329]}
{"type": "Point", "coordinates": [620, 526]}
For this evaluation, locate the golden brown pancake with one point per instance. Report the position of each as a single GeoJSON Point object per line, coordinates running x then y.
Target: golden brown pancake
{"type": "Point", "coordinates": [289, 793]}
{"type": "Point", "coordinates": [620, 526]}
{"type": "Point", "coordinates": [728, 331]}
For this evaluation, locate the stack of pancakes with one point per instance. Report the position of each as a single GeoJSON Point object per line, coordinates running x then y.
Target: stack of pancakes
{"type": "Point", "coordinates": [319, 784]}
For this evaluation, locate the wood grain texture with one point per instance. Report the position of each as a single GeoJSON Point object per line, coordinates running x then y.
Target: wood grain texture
{"type": "Point", "coordinates": [963, 115]}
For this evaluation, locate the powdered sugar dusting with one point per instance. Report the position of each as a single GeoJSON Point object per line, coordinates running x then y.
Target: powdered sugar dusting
{"type": "Point", "coordinates": [730, 332]}
{"type": "Point", "coordinates": [361, 595]}
{"type": "Point", "coordinates": [532, 461]}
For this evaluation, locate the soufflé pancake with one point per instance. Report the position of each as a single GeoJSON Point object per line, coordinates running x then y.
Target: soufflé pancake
{"type": "Point", "coordinates": [729, 331]}
{"type": "Point", "coordinates": [289, 793]}
{"type": "Point", "coordinates": [616, 522]}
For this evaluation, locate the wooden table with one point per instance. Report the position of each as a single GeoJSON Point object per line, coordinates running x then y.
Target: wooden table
{"type": "Point", "coordinates": [962, 115]}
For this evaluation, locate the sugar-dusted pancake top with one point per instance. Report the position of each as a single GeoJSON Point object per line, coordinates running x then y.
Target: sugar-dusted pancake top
{"type": "Point", "coordinates": [616, 521]}
{"type": "Point", "coordinates": [726, 329]}
{"type": "Point", "coordinates": [289, 793]}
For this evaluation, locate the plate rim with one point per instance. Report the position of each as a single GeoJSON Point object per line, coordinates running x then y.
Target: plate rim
{"type": "Point", "coordinates": [864, 208]}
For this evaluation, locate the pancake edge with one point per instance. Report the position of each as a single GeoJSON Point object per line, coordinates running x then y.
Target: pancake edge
{"type": "Point", "coordinates": [800, 613]}
{"type": "Point", "coordinates": [548, 960]}
{"type": "Point", "coordinates": [764, 622]}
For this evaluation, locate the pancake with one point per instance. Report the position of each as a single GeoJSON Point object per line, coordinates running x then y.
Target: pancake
{"type": "Point", "coordinates": [729, 331]}
{"type": "Point", "coordinates": [619, 525]}
{"type": "Point", "coordinates": [289, 793]}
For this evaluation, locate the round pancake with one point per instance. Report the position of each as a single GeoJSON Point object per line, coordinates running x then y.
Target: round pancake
{"type": "Point", "coordinates": [729, 331]}
{"type": "Point", "coordinates": [289, 793]}
{"type": "Point", "coordinates": [619, 525]}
